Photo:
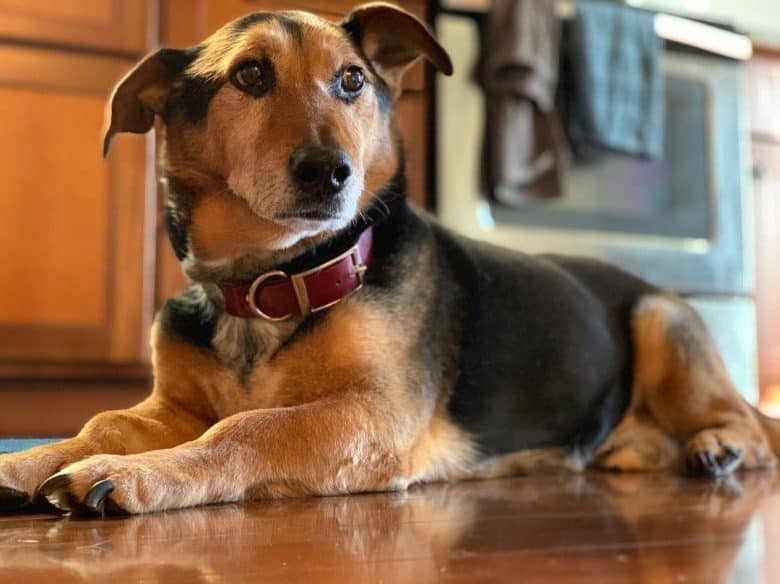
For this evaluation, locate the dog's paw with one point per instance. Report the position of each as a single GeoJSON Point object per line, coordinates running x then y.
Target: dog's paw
{"type": "Point", "coordinates": [101, 484]}
{"type": "Point", "coordinates": [112, 484]}
{"type": "Point", "coordinates": [721, 451]}
{"type": "Point", "coordinates": [22, 472]}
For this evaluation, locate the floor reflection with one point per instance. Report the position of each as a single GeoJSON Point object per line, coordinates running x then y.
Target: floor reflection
{"type": "Point", "coordinates": [606, 528]}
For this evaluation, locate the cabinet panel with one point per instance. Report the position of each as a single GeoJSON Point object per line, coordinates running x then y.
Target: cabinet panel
{"type": "Point", "coordinates": [37, 280]}
{"type": "Point", "coordinates": [73, 289]}
{"type": "Point", "coordinates": [412, 120]}
{"type": "Point", "coordinates": [101, 24]}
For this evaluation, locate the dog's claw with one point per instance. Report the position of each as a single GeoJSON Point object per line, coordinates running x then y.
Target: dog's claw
{"type": "Point", "coordinates": [96, 497]}
{"type": "Point", "coordinates": [56, 490]}
{"type": "Point", "coordinates": [729, 461]}
{"type": "Point", "coordinates": [708, 463]}
{"type": "Point", "coordinates": [11, 499]}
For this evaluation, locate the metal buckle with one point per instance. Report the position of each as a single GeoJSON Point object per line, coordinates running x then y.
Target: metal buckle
{"type": "Point", "coordinates": [360, 270]}
{"type": "Point", "coordinates": [250, 296]}
{"type": "Point", "coordinates": [299, 285]}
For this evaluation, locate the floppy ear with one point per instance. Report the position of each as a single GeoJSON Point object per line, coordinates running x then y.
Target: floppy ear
{"type": "Point", "coordinates": [143, 92]}
{"type": "Point", "coordinates": [393, 39]}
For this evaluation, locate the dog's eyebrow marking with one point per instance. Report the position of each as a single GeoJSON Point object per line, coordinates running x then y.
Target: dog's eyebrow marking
{"type": "Point", "coordinates": [289, 25]}
{"type": "Point", "coordinates": [245, 22]}
{"type": "Point", "coordinates": [292, 28]}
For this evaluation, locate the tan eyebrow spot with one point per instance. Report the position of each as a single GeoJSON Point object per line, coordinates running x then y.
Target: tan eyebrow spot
{"type": "Point", "coordinates": [222, 49]}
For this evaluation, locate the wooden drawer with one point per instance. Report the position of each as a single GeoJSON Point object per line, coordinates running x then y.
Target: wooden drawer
{"type": "Point", "coordinates": [72, 283]}
{"type": "Point", "coordinates": [185, 26]}
{"type": "Point", "coordinates": [116, 25]}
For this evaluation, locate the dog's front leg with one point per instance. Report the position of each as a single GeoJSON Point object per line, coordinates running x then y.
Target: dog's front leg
{"type": "Point", "coordinates": [152, 424]}
{"type": "Point", "coordinates": [340, 445]}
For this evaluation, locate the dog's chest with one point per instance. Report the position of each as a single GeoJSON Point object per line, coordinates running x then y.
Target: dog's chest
{"type": "Point", "coordinates": [244, 344]}
{"type": "Point", "coordinates": [272, 365]}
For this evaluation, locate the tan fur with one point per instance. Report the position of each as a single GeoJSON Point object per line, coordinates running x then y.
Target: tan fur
{"type": "Point", "coordinates": [683, 401]}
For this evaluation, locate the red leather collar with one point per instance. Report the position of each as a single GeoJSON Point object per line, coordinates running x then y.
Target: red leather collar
{"type": "Point", "coordinates": [276, 295]}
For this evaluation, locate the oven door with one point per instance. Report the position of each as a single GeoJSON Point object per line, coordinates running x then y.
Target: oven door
{"type": "Point", "coordinates": [677, 222]}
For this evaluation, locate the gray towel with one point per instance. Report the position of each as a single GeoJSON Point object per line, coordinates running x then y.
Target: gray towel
{"type": "Point", "coordinates": [523, 143]}
{"type": "Point", "coordinates": [613, 80]}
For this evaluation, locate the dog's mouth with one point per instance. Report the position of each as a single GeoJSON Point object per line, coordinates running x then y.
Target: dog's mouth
{"type": "Point", "coordinates": [332, 210]}
{"type": "Point", "coordinates": [311, 215]}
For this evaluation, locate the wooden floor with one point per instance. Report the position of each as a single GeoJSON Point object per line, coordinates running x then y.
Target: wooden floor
{"type": "Point", "coordinates": [600, 528]}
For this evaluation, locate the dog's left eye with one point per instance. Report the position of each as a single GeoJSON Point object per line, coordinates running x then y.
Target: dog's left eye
{"type": "Point", "coordinates": [353, 79]}
{"type": "Point", "coordinates": [254, 77]}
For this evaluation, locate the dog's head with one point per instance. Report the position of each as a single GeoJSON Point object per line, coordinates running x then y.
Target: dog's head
{"type": "Point", "coordinates": [277, 129]}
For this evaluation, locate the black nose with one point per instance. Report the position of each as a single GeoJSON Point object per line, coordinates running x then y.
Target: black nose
{"type": "Point", "coordinates": [320, 170]}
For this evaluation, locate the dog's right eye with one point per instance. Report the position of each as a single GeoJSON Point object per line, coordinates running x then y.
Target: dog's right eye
{"type": "Point", "coordinates": [253, 77]}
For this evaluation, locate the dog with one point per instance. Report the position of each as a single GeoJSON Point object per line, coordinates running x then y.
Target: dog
{"type": "Point", "coordinates": [335, 340]}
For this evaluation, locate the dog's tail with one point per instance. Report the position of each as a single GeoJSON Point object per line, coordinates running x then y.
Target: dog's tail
{"type": "Point", "coordinates": [771, 427]}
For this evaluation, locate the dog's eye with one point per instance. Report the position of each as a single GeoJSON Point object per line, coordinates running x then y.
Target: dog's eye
{"type": "Point", "coordinates": [253, 77]}
{"type": "Point", "coordinates": [353, 79]}
{"type": "Point", "coordinates": [250, 74]}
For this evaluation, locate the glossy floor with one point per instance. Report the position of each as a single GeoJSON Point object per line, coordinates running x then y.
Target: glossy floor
{"type": "Point", "coordinates": [595, 528]}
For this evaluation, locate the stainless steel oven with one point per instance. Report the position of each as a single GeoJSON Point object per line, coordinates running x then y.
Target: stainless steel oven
{"type": "Point", "coordinates": [681, 222]}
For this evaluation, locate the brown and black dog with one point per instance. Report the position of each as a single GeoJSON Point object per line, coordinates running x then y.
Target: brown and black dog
{"type": "Point", "coordinates": [450, 359]}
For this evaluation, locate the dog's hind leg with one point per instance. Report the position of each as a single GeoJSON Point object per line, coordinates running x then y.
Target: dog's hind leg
{"type": "Point", "coordinates": [681, 384]}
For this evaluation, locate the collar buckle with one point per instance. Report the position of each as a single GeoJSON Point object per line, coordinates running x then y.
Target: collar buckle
{"type": "Point", "coordinates": [252, 293]}
{"type": "Point", "coordinates": [298, 282]}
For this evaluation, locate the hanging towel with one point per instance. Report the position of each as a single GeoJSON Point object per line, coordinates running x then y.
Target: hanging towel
{"type": "Point", "coordinates": [523, 144]}
{"type": "Point", "coordinates": [612, 81]}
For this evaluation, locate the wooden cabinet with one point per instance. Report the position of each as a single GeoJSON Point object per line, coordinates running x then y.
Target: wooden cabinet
{"type": "Point", "coordinates": [118, 26]}
{"type": "Point", "coordinates": [85, 259]}
{"type": "Point", "coordinates": [73, 279]}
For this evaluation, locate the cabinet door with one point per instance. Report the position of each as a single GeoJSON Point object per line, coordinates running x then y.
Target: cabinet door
{"type": "Point", "coordinates": [766, 160]}
{"type": "Point", "coordinates": [74, 280]}
{"type": "Point", "coordinates": [119, 25]}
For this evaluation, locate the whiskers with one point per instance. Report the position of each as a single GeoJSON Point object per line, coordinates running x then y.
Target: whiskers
{"type": "Point", "coordinates": [382, 207]}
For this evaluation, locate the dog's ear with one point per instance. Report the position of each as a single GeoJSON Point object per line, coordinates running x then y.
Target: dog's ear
{"type": "Point", "coordinates": [393, 39]}
{"type": "Point", "coordinates": [143, 92]}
